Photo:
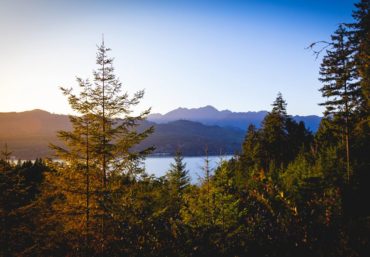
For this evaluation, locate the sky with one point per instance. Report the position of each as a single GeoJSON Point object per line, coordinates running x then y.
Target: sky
{"type": "Point", "coordinates": [230, 54]}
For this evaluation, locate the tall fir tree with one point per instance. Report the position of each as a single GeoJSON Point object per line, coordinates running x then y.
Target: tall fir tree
{"type": "Point", "coordinates": [341, 86]}
{"type": "Point", "coordinates": [98, 149]}
{"type": "Point", "coordinates": [359, 32]}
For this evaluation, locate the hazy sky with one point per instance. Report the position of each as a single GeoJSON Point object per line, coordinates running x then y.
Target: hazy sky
{"type": "Point", "coordinates": [233, 55]}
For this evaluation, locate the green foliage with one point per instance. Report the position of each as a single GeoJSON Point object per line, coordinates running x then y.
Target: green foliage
{"type": "Point", "coordinates": [339, 77]}
{"type": "Point", "coordinates": [266, 148]}
{"type": "Point", "coordinates": [20, 186]}
{"type": "Point", "coordinates": [359, 34]}
{"type": "Point", "coordinates": [296, 173]}
{"type": "Point", "coordinates": [178, 177]}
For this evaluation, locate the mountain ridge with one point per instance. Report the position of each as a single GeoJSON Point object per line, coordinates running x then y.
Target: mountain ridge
{"type": "Point", "coordinates": [29, 133]}
{"type": "Point", "coordinates": [209, 115]}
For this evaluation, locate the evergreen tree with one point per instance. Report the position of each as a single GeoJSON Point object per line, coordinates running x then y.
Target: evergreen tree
{"type": "Point", "coordinates": [226, 202]}
{"type": "Point", "coordinates": [6, 153]}
{"type": "Point", "coordinates": [299, 139]}
{"type": "Point", "coordinates": [265, 148]}
{"type": "Point", "coordinates": [360, 39]}
{"type": "Point", "coordinates": [279, 106]}
{"type": "Point", "coordinates": [207, 186]}
{"type": "Point", "coordinates": [98, 150]}
{"type": "Point", "coordinates": [274, 135]}
{"type": "Point", "coordinates": [198, 206]}
{"type": "Point", "coordinates": [178, 177]}
{"type": "Point", "coordinates": [250, 148]}
{"type": "Point", "coordinates": [341, 86]}
{"type": "Point", "coordinates": [19, 187]}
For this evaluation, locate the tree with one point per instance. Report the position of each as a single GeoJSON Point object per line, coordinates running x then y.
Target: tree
{"type": "Point", "coordinates": [299, 138]}
{"type": "Point", "coordinates": [178, 177]}
{"type": "Point", "coordinates": [19, 186]}
{"type": "Point", "coordinates": [274, 134]}
{"type": "Point", "coordinates": [340, 86]}
{"type": "Point", "coordinates": [199, 202]}
{"type": "Point", "coordinates": [265, 148]}
{"type": "Point", "coordinates": [279, 106]}
{"type": "Point", "coordinates": [6, 153]}
{"type": "Point", "coordinates": [359, 35]}
{"type": "Point", "coordinates": [207, 182]}
{"type": "Point", "coordinates": [226, 202]}
{"type": "Point", "coordinates": [250, 148]}
{"type": "Point", "coordinates": [98, 149]}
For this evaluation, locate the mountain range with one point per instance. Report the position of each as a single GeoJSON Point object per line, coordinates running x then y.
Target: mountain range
{"type": "Point", "coordinates": [29, 133]}
{"type": "Point", "coordinates": [209, 115]}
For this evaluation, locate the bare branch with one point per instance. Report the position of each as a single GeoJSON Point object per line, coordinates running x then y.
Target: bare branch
{"type": "Point", "coordinates": [317, 52]}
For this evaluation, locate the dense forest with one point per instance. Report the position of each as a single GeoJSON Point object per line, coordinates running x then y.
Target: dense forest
{"type": "Point", "coordinates": [289, 192]}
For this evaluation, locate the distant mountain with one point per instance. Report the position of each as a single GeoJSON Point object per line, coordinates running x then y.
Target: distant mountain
{"type": "Point", "coordinates": [192, 138]}
{"type": "Point", "coordinates": [28, 135]}
{"type": "Point", "coordinates": [209, 115]}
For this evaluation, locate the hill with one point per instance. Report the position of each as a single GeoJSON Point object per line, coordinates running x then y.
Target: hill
{"type": "Point", "coordinates": [28, 135]}
{"type": "Point", "coordinates": [193, 137]}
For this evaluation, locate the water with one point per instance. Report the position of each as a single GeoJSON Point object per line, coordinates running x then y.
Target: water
{"type": "Point", "coordinates": [158, 166]}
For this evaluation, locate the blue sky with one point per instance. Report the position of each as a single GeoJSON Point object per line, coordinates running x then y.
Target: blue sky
{"type": "Point", "coordinates": [233, 55]}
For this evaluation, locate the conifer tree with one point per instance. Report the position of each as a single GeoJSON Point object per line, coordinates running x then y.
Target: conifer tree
{"type": "Point", "coordinates": [226, 202]}
{"type": "Point", "coordinates": [340, 86]}
{"type": "Point", "coordinates": [359, 32]}
{"type": "Point", "coordinates": [178, 181]}
{"type": "Point", "coordinates": [178, 177]}
{"type": "Point", "coordinates": [279, 106]}
{"type": "Point", "coordinates": [274, 134]}
{"type": "Point", "coordinates": [199, 203]}
{"type": "Point", "coordinates": [207, 181]}
{"type": "Point", "coordinates": [98, 149]}
{"type": "Point", "coordinates": [250, 147]}
{"type": "Point", "coordinates": [6, 153]}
